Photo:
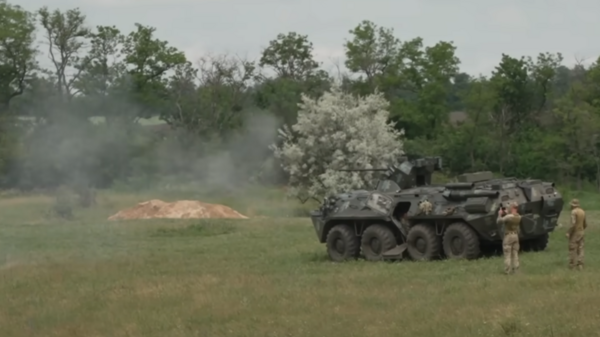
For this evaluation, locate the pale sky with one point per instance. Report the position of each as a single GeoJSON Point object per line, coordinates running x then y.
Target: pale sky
{"type": "Point", "coordinates": [482, 30]}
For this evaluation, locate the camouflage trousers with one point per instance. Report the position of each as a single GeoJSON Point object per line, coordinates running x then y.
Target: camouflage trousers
{"type": "Point", "coordinates": [576, 250]}
{"type": "Point", "coordinates": [510, 247]}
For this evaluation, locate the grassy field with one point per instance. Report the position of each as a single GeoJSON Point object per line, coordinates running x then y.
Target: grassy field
{"type": "Point", "coordinates": [266, 276]}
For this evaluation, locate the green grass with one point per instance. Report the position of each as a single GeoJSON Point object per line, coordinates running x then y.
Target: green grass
{"type": "Point", "coordinates": [264, 277]}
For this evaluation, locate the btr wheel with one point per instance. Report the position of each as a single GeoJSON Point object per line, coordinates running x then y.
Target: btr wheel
{"type": "Point", "coordinates": [342, 244]}
{"type": "Point", "coordinates": [536, 245]}
{"type": "Point", "coordinates": [376, 240]}
{"type": "Point", "coordinates": [461, 242]}
{"type": "Point", "coordinates": [423, 243]}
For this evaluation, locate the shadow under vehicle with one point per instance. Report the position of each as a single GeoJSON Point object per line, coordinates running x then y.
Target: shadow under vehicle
{"type": "Point", "coordinates": [406, 214]}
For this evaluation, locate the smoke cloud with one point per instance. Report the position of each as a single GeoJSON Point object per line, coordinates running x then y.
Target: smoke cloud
{"type": "Point", "coordinates": [61, 147]}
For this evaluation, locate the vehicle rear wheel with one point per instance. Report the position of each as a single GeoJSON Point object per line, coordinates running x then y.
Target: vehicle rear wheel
{"type": "Point", "coordinates": [342, 244]}
{"type": "Point", "coordinates": [461, 242]}
{"type": "Point", "coordinates": [376, 240]}
{"type": "Point", "coordinates": [423, 243]}
{"type": "Point", "coordinates": [536, 245]}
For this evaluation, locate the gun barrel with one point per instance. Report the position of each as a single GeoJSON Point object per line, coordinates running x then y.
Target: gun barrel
{"type": "Point", "coordinates": [461, 195]}
{"type": "Point", "coordinates": [361, 170]}
{"type": "Point", "coordinates": [460, 186]}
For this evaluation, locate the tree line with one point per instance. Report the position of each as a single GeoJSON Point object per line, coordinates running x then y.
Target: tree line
{"type": "Point", "coordinates": [78, 120]}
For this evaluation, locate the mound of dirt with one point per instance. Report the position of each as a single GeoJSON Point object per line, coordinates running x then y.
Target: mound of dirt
{"type": "Point", "coordinates": [182, 209]}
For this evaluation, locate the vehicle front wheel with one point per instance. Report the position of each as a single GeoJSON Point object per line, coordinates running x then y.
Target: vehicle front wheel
{"type": "Point", "coordinates": [423, 243]}
{"type": "Point", "coordinates": [461, 242]}
{"type": "Point", "coordinates": [342, 244]}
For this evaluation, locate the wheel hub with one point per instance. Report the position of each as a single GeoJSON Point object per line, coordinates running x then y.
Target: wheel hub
{"type": "Point", "coordinates": [456, 245]}
{"type": "Point", "coordinates": [376, 246]}
{"type": "Point", "coordinates": [340, 246]}
{"type": "Point", "coordinates": [421, 245]}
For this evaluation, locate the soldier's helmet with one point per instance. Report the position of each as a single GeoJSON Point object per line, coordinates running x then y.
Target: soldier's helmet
{"type": "Point", "coordinates": [575, 203]}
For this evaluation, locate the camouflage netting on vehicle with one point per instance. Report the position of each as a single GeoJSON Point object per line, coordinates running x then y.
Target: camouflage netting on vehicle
{"type": "Point", "coordinates": [182, 209]}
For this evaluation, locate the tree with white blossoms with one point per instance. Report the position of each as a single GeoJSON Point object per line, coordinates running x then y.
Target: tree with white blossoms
{"type": "Point", "coordinates": [337, 131]}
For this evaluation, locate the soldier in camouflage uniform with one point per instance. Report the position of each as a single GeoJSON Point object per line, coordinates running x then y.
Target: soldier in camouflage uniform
{"type": "Point", "coordinates": [510, 243]}
{"type": "Point", "coordinates": [575, 235]}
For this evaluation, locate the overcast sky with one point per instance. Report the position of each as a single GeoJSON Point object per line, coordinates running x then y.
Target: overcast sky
{"type": "Point", "coordinates": [482, 30]}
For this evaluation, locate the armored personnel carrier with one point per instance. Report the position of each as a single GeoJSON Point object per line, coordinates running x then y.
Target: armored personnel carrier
{"type": "Point", "coordinates": [405, 214]}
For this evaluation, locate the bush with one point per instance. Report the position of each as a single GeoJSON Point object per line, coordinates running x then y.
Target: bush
{"type": "Point", "coordinates": [337, 131]}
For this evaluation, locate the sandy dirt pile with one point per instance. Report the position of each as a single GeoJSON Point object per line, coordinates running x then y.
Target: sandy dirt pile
{"type": "Point", "coordinates": [182, 209]}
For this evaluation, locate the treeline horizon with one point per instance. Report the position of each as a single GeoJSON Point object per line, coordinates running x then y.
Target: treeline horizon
{"type": "Point", "coordinates": [532, 117]}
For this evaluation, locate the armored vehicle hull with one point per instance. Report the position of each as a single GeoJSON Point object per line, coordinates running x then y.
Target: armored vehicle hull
{"type": "Point", "coordinates": [433, 221]}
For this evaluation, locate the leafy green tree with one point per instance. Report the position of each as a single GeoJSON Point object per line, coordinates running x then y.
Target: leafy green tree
{"type": "Point", "coordinates": [533, 117]}
{"type": "Point", "coordinates": [579, 125]}
{"type": "Point", "coordinates": [543, 75]}
{"type": "Point", "coordinates": [374, 54]}
{"type": "Point", "coordinates": [17, 52]}
{"type": "Point", "coordinates": [290, 57]}
{"type": "Point", "coordinates": [460, 85]}
{"type": "Point", "coordinates": [427, 72]}
{"type": "Point", "coordinates": [415, 79]}
{"type": "Point", "coordinates": [511, 113]}
{"type": "Point", "coordinates": [66, 34]}
{"type": "Point", "coordinates": [471, 149]}
{"type": "Point", "coordinates": [103, 75]}
{"type": "Point", "coordinates": [17, 66]}
{"type": "Point", "coordinates": [210, 101]}
{"type": "Point", "coordinates": [148, 61]}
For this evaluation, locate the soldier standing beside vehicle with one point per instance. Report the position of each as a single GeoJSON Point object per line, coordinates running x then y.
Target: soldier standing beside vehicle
{"type": "Point", "coordinates": [575, 235]}
{"type": "Point", "coordinates": [510, 243]}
